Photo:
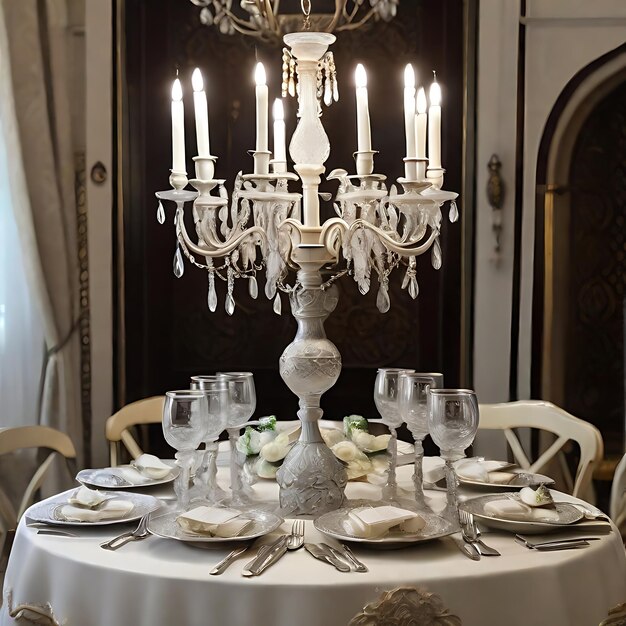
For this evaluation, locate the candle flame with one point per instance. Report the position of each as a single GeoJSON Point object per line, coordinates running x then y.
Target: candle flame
{"type": "Point", "coordinates": [409, 76]}
{"type": "Point", "coordinates": [422, 105]}
{"type": "Point", "coordinates": [259, 74]}
{"type": "Point", "coordinates": [278, 110]}
{"type": "Point", "coordinates": [177, 90]}
{"type": "Point", "coordinates": [435, 94]}
{"type": "Point", "coordinates": [360, 76]}
{"type": "Point", "coordinates": [196, 80]}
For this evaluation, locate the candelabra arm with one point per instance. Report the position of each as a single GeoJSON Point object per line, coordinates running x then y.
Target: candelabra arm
{"type": "Point", "coordinates": [222, 250]}
{"type": "Point", "coordinates": [332, 232]}
{"type": "Point", "coordinates": [403, 249]}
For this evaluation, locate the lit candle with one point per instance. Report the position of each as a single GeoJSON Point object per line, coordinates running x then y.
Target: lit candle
{"type": "Point", "coordinates": [434, 127]}
{"type": "Point", "coordinates": [178, 128]}
{"type": "Point", "coordinates": [202, 114]}
{"type": "Point", "coordinates": [364, 142]}
{"type": "Point", "coordinates": [261, 108]}
{"type": "Point", "coordinates": [409, 120]}
{"type": "Point", "coordinates": [278, 112]}
{"type": "Point", "coordinates": [420, 124]}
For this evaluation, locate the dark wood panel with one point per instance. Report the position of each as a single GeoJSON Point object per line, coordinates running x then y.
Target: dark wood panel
{"type": "Point", "coordinates": [170, 334]}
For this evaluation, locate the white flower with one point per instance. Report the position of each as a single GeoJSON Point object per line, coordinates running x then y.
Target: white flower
{"type": "Point", "coordinates": [369, 443]}
{"type": "Point", "coordinates": [332, 436]}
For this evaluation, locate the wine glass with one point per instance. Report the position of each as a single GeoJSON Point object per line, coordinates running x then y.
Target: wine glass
{"type": "Point", "coordinates": [453, 422]}
{"type": "Point", "coordinates": [184, 428]}
{"type": "Point", "coordinates": [216, 412]}
{"type": "Point", "coordinates": [242, 396]}
{"type": "Point", "coordinates": [414, 389]}
{"type": "Point", "coordinates": [386, 400]}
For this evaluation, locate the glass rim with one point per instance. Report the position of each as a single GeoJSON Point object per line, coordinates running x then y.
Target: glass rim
{"type": "Point", "coordinates": [396, 369]}
{"type": "Point", "coordinates": [235, 374]}
{"type": "Point", "coordinates": [422, 374]}
{"type": "Point", "coordinates": [452, 392]}
{"type": "Point", "coordinates": [185, 393]}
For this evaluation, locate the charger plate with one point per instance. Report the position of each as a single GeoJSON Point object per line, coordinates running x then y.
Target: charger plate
{"type": "Point", "coordinates": [262, 523]}
{"type": "Point", "coordinates": [108, 478]}
{"type": "Point", "coordinates": [568, 514]}
{"type": "Point", "coordinates": [331, 524]}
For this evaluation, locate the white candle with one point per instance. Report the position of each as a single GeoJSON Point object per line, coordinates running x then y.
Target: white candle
{"type": "Point", "coordinates": [434, 127]}
{"type": "Point", "coordinates": [409, 110]}
{"type": "Point", "coordinates": [178, 128]}
{"type": "Point", "coordinates": [420, 124]}
{"type": "Point", "coordinates": [364, 137]}
{"type": "Point", "coordinates": [202, 114]}
{"type": "Point", "coordinates": [261, 108]}
{"type": "Point", "coordinates": [278, 112]}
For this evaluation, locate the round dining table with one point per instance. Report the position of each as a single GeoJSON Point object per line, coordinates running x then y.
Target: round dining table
{"type": "Point", "coordinates": [164, 582]}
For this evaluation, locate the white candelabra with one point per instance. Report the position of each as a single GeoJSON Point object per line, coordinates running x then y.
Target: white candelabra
{"type": "Point", "coordinates": [266, 225]}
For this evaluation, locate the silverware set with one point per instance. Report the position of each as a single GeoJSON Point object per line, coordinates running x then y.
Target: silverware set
{"type": "Point", "coordinates": [471, 536]}
{"type": "Point", "coordinates": [141, 532]}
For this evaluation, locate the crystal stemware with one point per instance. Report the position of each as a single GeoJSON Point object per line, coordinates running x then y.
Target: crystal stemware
{"type": "Point", "coordinates": [216, 412]}
{"type": "Point", "coordinates": [452, 422]}
{"type": "Point", "coordinates": [184, 428]}
{"type": "Point", "coordinates": [241, 406]}
{"type": "Point", "coordinates": [414, 389]}
{"type": "Point", "coordinates": [386, 400]}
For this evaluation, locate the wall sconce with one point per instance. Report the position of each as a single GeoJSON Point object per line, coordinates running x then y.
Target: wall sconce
{"type": "Point", "coordinates": [495, 197]}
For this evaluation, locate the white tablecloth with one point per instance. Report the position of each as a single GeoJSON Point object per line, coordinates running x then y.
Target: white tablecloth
{"type": "Point", "coordinates": [157, 582]}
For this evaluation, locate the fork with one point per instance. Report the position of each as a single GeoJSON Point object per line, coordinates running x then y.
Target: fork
{"type": "Point", "coordinates": [296, 538]}
{"type": "Point", "coordinates": [469, 528]}
{"type": "Point", "coordinates": [141, 532]}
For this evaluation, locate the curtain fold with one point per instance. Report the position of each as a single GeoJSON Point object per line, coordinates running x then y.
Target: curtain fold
{"type": "Point", "coordinates": [36, 125]}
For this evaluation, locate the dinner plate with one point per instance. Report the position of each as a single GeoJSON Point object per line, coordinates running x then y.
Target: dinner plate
{"type": "Point", "coordinates": [166, 526]}
{"type": "Point", "coordinates": [331, 524]}
{"type": "Point", "coordinates": [48, 511]}
{"type": "Point", "coordinates": [107, 478]}
{"type": "Point", "coordinates": [568, 514]}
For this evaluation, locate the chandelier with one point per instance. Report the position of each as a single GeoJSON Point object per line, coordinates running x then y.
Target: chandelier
{"type": "Point", "coordinates": [266, 19]}
{"type": "Point", "coordinates": [267, 225]}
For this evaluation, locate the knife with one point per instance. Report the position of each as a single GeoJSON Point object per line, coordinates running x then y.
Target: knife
{"type": "Point", "coordinates": [321, 555]}
{"type": "Point", "coordinates": [468, 549]}
{"type": "Point", "coordinates": [336, 558]}
{"type": "Point", "coordinates": [225, 562]}
{"type": "Point", "coordinates": [266, 557]}
{"type": "Point", "coordinates": [359, 567]}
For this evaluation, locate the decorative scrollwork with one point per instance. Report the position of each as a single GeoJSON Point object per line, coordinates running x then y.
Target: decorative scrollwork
{"type": "Point", "coordinates": [406, 606]}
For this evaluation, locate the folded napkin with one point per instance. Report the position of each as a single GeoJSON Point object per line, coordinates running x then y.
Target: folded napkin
{"type": "Point", "coordinates": [374, 522]}
{"type": "Point", "coordinates": [152, 466]}
{"type": "Point", "coordinates": [110, 509]}
{"type": "Point", "coordinates": [515, 510]}
{"type": "Point", "coordinates": [213, 521]}
{"type": "Point", "coordinates": [87, 498]}
{"type": "Point", "coordinates": [484, 471]}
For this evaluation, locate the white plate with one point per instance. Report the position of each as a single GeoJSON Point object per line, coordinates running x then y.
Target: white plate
{"type": "Point", "coordinates": [568, 514]}
{"type": "Point", "coordinates": [107, 478]}
{"type": "Point", "coordinates": [331, 524]}
{"type": "Point", "coordinates": [166, 526]}
{"type": "Point", "coordinates": [48, 511]}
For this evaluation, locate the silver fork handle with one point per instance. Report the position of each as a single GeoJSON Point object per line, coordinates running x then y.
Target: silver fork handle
{"type": "Point", "coordinates": [225, 562]}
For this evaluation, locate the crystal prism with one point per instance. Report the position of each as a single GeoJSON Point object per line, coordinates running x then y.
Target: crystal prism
{"type": "Point", "coordinates": [413, 287]}
{"type": "Point", "coordinates": [277, 304]}
{"type": "Point", "coordinates": [212, 297]}
{"type": "Point", "coordinates": [436, 254]}
{"type": "Point", "coordinates": [407, 277]}
{"type": "Point", "coordinates": [160, 213]}
{"type": "Point", "coordinates": [179, 267]}
{"type": "Point", "coordinates": [253, 287]}
{"type": "Point", "coordinates": [382, 299]}
{"type": "Point", "coordinates": [230, 304]}
{"type": "Point", "coordinates": [454, 212]}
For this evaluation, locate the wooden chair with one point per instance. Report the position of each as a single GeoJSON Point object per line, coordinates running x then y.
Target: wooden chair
{"type": "Point", "coordinates": [546, 417]}
{"type": "Point", "coordinates": [146, 411]}
{"type": "Point", "coordinates": [617, 508]}
{"type": "Point", "coordinates": [21, 438]}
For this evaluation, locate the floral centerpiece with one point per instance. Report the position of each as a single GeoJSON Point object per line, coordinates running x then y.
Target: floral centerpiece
{"type": "Point", "coordinates": [364, 454]}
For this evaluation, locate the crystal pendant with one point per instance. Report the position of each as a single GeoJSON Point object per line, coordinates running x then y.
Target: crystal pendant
{"type": "Point", "coordinates": [435, 256]}
{"type": "Point", "coordinates": [212, 297]}
{"type": "Point", "coordinates": [230, 304]}
{"type": "Point", "coordinates": [160, 213]}
{"type": "Point", "coordinates": [454, 212]}
{"type": "Point", "coordinates": [328, 96]}
{"type": "Point", "coordinates": [179, 267]}
{"type": "Point", "coordinates": [253, 288]}
{"type": "Point", "coordinates": [413, 287]}
{"type": "Point", "coordinates": [407, 277]}
{"type": "Point", "coordinates": [382, 299]}
{"type": "Point", "coordinates": [277, 304]}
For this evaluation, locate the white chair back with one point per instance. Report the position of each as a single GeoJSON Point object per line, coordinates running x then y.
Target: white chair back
{"type": "Point", "coordinates": [545, 416]}
{"type": "Point", "coordinates": [617, 508]}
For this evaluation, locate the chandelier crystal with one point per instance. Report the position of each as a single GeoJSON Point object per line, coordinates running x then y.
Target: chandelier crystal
{"type": "Point", "coordinates": [267, 225]}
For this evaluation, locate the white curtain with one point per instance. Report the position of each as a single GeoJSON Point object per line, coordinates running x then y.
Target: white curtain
{"type": "Point", "coordinates": [38, 164]}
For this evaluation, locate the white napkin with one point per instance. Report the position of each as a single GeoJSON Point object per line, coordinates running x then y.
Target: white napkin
{"type": "Point", "coordinates": [482, 470]}
{"type": "Point", "coordinates": [514, 510]}
{"type": "Point", "coordinates": [111, 509]}
{"type": "Point", "coordinates": [374, 522]}
{"type": "Point", "coordinates": [85, 497]}
{"type": "Point", "coordinates": [152, 466]}
{"type": "Point", "coordinates": [213, 521]}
